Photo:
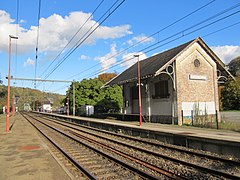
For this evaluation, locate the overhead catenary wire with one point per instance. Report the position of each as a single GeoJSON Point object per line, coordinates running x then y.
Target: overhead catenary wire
{"type": "Point", "coordinates": [108, 13]}
{"type": "Point", "coordinates": [148, 37]}
{"type": "Point", "coordinates": [38, 22]}
{"type": "Point", "coordinates": [75, 34]}
{"type": "Point", "coordinates": [177, 34]}
{"type": "Point", "coordinates": [175, 22]}
{"type": "Point", "coordinates": [16, 52]}
{"type": "Point", "coordinates": [224, 28]}
{"type": "Point", "coordinates": [181, 33]}
{"type": "Point", "coordinates": [82, 40]}
{"type": "Point", "coordinates": [209, 34]}
{"type": "Point", "coordinates": [97, 73]}
{"type": "Point", "coordinates": [130, 58]}
{"type": "Point", "coordinates": [185, 34]}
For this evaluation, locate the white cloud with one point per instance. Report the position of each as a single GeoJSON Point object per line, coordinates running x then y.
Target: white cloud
{"type": "Point", "coordinates": [55, 31]}
{"type": "Point", "coordinates": [84, 57]}
{"type": "Point", "coordinates": [129, 59]}
{"type": "Point", "coordinates": [108, 59]}
{"type": "Point", "coordinates": [226, 53]}
{"type": "Point", "coordinates": [22, 21]}
{"type": "Point", "coordinates": [5, 17]}
{"type": "Point", "coordinates": [141, 38]}
{"type": "Point", "coordinates": [29, 62]}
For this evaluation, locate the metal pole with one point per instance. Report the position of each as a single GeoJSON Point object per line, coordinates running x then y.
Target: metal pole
{"type": "Point", "coordinates": [8, 94]}
{"type": "Point", "coordinates": [13, 105]}
{"type": "Point", "coordinates": [182, 117]}
{"type": "Point", "coordinates": [40, 80]}
{"type": "Point", "coordinates": [139, 92]}
{"type": "Point", "coordinates": [192, 116]}
{"type": "Point", "coordinates": [73, 98]}
{"type": "Point", "coordinates": [67, 106]}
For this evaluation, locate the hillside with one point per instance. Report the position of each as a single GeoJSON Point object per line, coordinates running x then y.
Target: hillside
{"type": "Point", "coordinates": [27, 95]}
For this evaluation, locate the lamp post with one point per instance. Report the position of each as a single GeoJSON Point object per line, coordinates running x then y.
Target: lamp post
{"type": "Point", "coordinates": [67, 106]}
{"type": "Point", "coordinates": [74, 98]}
{"type": "Point", "coordinates": [13, 105]}
{"type": "Point", "coordinates": [8, 95]}
{"type": "Point", "coordinates": [139, 91]}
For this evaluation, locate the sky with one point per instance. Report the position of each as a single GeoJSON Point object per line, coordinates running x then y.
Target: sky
{"type": "Point", "coordinates": [108, 34]}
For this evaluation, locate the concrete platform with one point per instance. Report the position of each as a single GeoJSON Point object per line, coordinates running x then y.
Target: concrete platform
{"type": "Point", "coordinates": [218, 141]}
{"type": "Point", "coordinates": [23, 154]}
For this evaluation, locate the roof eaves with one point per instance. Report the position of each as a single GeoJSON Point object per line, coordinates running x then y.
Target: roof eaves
{"type": "Point", "coordinates": [174, 58]}
{"type": "Point", "coordinates": [109, 82]}
{"type": "Point", "coordinates": [214, 56]}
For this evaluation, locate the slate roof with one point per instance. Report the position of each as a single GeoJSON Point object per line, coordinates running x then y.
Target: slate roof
{"type": "Point", "coordinates": [148, 67]}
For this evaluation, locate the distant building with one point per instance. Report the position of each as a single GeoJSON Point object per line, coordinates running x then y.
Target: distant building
{"type": "Point", "coordinates": [174, 83]}
{"type": "Point", "coordinates": [87, 110]}
{"type": "Point", "coordinates": [47, 106]}
{"type": "Point", "coordinates": [26, 107]}
{"type": "Point", "coordinates": [4, 109]}
{"type": "Point", "coordinates": [62, 110]}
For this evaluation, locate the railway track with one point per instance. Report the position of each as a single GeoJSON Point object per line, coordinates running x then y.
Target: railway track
{"type": "Point", "coordinates": [213, 164]}
{"type": "Point", "coordinates": [96, 161]}
{"type": "Point", "coordinates": [152, 152]}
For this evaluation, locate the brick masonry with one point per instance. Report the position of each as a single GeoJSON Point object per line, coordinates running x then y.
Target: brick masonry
{"type": "Point", "coordinates": [197, 89]}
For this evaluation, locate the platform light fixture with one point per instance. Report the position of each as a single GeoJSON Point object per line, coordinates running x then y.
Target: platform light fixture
{"type": "Point", "coordinates": [139, 90]}
{"type": "Point", "coordinates": [8, 95]}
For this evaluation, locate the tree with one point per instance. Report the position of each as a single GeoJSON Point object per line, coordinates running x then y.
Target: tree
{"type": "Point", "coordinates": [231, 95]}
{"type": "Point", "coordinates": [87, 92]}
{"type": "Point", "coordinates": [234, 66]}
{"type": "Point", "coordinates": [113, 100]}
{"type": "Point", "coordinates": [91, 92]}
{"type": "Point", "coordinates": [36, 104]}
{"type": "Point", "coordinates": [105, 77]}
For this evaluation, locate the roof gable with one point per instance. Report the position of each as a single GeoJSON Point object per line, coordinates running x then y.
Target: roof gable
{"type": "Point", "coordinates": [148, 66]}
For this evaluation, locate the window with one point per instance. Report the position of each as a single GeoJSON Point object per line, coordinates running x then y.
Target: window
{"type": "Point", "coordinates": [161, 89]}
{"type": "Point", "coordinates": [196, 63]}
{"type": "Point", "coordinates": [134, 92]}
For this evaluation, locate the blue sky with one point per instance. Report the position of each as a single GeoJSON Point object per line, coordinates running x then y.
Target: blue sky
{"type": "Point", "coordinates": [132, 22]}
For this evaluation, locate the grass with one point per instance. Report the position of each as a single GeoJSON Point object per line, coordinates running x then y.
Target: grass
{"type": "Point", "coordinates": [230, 126]}
{"type": "Point", "coordinates": [233, 126]}
{"type": "Point", "coordinates": [229, 111]}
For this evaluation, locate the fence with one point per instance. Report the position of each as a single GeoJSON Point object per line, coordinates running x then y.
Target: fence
{"type": "Point", "coordinates": [201, 119]}
{"type": "Point", "coordinates": [230, 120]}
{"type": "Point", "coordinates": [220, 120]}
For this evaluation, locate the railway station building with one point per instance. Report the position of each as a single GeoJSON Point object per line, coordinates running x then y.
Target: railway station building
{"type": "Point", "coordinates": [174, 84]}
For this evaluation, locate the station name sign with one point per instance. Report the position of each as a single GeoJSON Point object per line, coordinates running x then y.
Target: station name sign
{"type": "Point", "coordinates": [197, 77]}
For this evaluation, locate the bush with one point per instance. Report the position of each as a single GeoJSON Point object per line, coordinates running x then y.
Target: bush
{"type": "Point", "coordinates": [1, 109]}
{"type": "Point", "coordinates": [231, 95]}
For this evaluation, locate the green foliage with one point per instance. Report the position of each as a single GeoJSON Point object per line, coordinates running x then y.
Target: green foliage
{"type": "Point", "coordinates": [87, 92]}
{"type": "Point", "coordinates": [90, 92]}
{"type": "Point", "coordinates": [27, 95]}
{"type": "Point", "coordinates": [231, 95]}
{"type": "Point", "coordinates": [112, 101]}
{"type": "Point", "coordinates": [234, 66]}
{"type": "Point", "coordinates": [3, 95]}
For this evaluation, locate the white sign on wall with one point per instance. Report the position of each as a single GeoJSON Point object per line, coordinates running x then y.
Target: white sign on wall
{"type": "Point", "coordinates": [201, 107]}
{"type": "Point", "coordinates": [197, 77]}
